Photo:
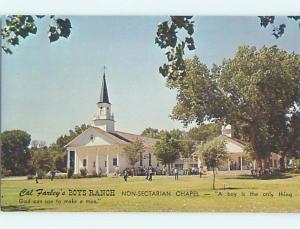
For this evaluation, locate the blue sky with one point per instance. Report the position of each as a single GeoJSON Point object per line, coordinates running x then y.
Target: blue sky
{"type": "Point", "coordinates": [47, 89]}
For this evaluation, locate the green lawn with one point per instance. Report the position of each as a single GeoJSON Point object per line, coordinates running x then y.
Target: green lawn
{"type": "Point", "coordinates": [206, 200]}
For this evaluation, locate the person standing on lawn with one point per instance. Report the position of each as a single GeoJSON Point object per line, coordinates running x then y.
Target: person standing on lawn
{"type": "Point", "coordinates": [176, 173]}
{"type": "Point", "coordinates": [36, 178]}
{"type": "Point", "coordinates": [147, 174]}
{"type": "Point", "coordinates": [125, 175]}
{"type": "Point", "coordinates": [150, 174]}
{"type": "Point", "coordinates": [52, 174]}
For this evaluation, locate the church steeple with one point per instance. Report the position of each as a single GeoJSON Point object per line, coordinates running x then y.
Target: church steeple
{"type": "Point", "coordinates": [104, 93]}
{"type": "Point", "coordinates": [104, 118]}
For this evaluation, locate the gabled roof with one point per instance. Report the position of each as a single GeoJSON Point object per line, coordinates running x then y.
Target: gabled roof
{"type": "Point", "coordinates": [104, 93]}
{"type": "Point", "coordinates": [148, 142]}
{"type": "Point", "coordinates": [119, 137]}
{"type": "Point", "coordinates": [108, 135]}
{"type": "Point", "coordinates": [234, 140]}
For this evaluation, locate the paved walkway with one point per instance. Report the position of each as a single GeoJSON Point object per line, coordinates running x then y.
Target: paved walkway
{"type": "Point", "coordinates": [15, 178]}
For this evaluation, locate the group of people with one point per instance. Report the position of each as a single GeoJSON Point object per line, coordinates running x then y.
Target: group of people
{"type": "Point", "coordinates": [127, 172]}
{"type": "Point", "coordinates": [149, 174]}
{"type": "Point", "coordinates": [52, 175]}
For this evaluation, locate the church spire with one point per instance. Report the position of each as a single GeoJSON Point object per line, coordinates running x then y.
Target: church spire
{"type": "Point", "coordinates": [104, 118]}
{"type": "Point", "coordinates": [104, 94]}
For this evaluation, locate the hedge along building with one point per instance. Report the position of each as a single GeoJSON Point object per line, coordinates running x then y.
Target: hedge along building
{"type": "Point", "coordinates": [100, 148]}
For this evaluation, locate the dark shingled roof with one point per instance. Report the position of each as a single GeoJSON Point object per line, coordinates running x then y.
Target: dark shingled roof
{"type": "Point", "coordinates": [104, 94]}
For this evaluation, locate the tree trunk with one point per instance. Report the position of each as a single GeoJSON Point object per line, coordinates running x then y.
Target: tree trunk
{"type": "Point", "coordinates": [253, 141]}
{"type": "Point", "coordinates": [214, 179]}
{"type": "Point", "coordinates": [282, 161]}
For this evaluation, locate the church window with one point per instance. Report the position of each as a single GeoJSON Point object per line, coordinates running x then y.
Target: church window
{"type": "Point", "coordinates": [84, 162]}
{"type": "Point", "coordinates": [115, 161]}
{"type": "Point", "coordinates": [94, 164]}
{"type": "Point", "coordinates": [105, 164]}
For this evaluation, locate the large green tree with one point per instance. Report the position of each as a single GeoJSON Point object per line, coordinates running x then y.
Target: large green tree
{"type": "Point", "coordinates": [151, 133]}
{"type": "Point", "coordinates": [255, 87]}
{"type": "Point", "coordinates": [42, 161]}
{"type": "Point", "coordinates": [133, 151]}
{"type": "Point", "coordinates": [213, 154]}
{"type": "Point", "coordinates": [15, 154]}
{"type": "Point", "coordinates": [167, 150]}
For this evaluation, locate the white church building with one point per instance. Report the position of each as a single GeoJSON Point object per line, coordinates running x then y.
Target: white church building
{"type": "Point", "coordinates": [100, 147]}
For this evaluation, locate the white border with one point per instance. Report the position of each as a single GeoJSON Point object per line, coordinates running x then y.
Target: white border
{"type": "Point", "coordinates": [149, 220]}
{"type": "Point", "coordinates": [151, 7]}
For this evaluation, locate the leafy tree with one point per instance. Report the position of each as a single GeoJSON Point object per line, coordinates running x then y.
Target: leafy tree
{"type": "Point", "coordinates": [58, 156]}
{"type": "Point", "coordinates": [57, 149]}
{"type": "Point", "coordinates": [187, 141]}
{"type": "Point", "coordinates": [254, 88]}
{"type": "Point", "coordinates": [42, 161]}
{"type": "Point", "coordinates": [167, 38]}
{"type": "Point", "coordinates": [21, 26]}
{"type": "Point", "coordinates": [204, 132]}
{"type": "Point", "coordinates": [133, 151]}
{"type": "Point", "coordinates": [213, 153]}
{"type": "Point", "coordinates": [288, 137]}
{"type": "Point", "coordinates": [167, 150]}
{"type": "Point", "coordinates": [278, 30]}
{"type": "Point", "coordinates": [15, 153]}
{"type": "Point", "coordinates": [151, 133]}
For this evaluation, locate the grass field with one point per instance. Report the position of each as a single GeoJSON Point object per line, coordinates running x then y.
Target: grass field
{"type": "Point", "coordinates": [189, 193]}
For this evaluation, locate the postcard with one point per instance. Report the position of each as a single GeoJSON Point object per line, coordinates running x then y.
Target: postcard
{"type": "Point", "coordinates": [150, 113]}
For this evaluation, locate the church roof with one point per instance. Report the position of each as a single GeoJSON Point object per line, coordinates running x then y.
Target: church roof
{"type": "Point", "coordinates": [119, 137]}
{"type": "Point", "coordinates": [234, 140]}
{"type": "Point", "coordinates": [104, 93]}
{"type": "Point", "coordinates": [148, 142]}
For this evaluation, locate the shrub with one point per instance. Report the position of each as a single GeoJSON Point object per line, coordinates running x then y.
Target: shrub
{"type": "Point", "coordinates": [40, 174]}
{"type": "Point", "coordinates": [83, 172]}
{"type": "Point", "coordinates": [64, 176]}
{"type": "Point", "coordinates": [30, 177]}
{"type": "Point", "coordinates": [70, 172]}
{"type": "Point", "coordinates": [76, 176]}
{"type": "Point", "coordinates": [5, 172]}
{"type": "Point", "coordinates": [94, 173]}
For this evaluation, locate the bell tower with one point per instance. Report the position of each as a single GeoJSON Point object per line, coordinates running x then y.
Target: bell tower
{"type": "Point", "coordinates": [103, 117]}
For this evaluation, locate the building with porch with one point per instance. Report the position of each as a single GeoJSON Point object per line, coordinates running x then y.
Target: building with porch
{"type": "Point", "coordinates": [237, 158]}
{"type": "Point", "coordinates": [100, 148]}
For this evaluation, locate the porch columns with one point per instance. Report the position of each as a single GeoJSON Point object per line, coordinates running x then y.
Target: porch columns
{"type": "Point", "coordinates": [241, 163]}
{"type": "Point", "coordinates": [107, 163]}
{"type": "Point", "coordinates": [75, 163]}
{"type": "Point", "coordinates": [228, 164]}
{"type": "Point", "coordinates": [254, 165]}
{"type": "Point", "coordinates": [118, 163]}
{"type": "Point", "coordinates": [97, 163]}
{"type": "Point", "coordinates": [199, 163]}
{"type": "Point", "coordinates": [68, 160]}
{"type": "Point", "coordinates": [87, 163]}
